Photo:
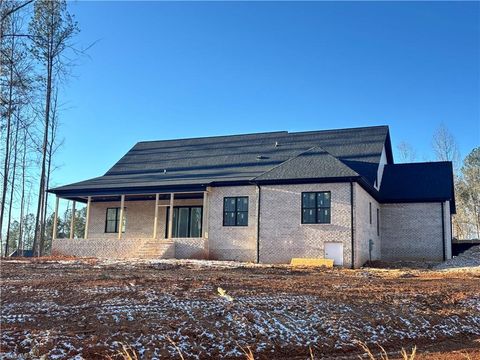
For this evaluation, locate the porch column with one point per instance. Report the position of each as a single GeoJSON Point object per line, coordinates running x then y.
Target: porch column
{"type": "Point", "coordinates": [155, 220]}
{"type": "Point", "coordinates": [87, 217]}
{"type": "Point", "coordinates": [205, 215]}
{"type": "Point", "coordinates": [55, 217]}
{"type": "Point", "coordinates": [120, 224]}
{"type": "Point", "coordinates": [170, 217]}
{"type": "Point", "coordinates": [72, 220]}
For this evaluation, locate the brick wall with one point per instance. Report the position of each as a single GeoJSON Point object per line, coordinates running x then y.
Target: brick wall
{"type": "Point", "coordinates": [139, 218]}
{"type": "Point", "coordinates": [114, 248]}
{"type": "Point", "coordinates": [364, 231]}
{"type": "Point", "coordinates": [284, 237]}
{"type": "Point", "coordinates": [232, 242]}
{"type": "Point", "coordinates": [413, 231]}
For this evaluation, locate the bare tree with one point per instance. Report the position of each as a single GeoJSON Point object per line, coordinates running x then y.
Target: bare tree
{"type": "Point", "coordinates": [15, 80]}
{"type": "Point", "coordinates": [52, 28]}
{"type": "Point", "coordinates": [406, 152]}
{"type": "Point", "coordinates": [445, 146]}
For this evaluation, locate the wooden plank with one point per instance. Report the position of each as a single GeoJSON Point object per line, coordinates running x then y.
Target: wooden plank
{"type": "Point", "coordinates": [155, 220]}
{"type": "Point", "coordinates": [311, 262]}
{"type": "Point", "coordinates": [87, 217]}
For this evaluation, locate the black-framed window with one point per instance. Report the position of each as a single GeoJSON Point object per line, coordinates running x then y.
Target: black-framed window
{"type": "Point", "coordinates": [187, 221]}
{"type": "Point", "coordinates": [370, 211]}
{"type": "Point", "coordinates": [378, 222]}
{"type": "Point", "coordinates": [235, 211]}
{"type": "Point", "coordinates": [112, 219]}
{"type": "Point", "coordinates": [316, 207]}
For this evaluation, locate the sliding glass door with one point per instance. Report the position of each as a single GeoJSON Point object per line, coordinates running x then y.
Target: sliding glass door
{"type": "Point", "coordinates": [187, 221]}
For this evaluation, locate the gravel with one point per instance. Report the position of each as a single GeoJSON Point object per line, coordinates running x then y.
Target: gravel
{"type": "Point", "coordinates": [469, 258]}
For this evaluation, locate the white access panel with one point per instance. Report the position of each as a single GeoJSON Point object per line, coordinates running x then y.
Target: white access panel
{"type": "Point", "coordinates": [334, 251]}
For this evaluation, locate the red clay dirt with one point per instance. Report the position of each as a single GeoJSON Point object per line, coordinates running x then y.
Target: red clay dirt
{"type": "Point", "coordinates": [86, 308]}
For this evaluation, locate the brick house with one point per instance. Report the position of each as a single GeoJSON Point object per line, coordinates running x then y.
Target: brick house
{"type": "Point", "coordinates": [268, 198]}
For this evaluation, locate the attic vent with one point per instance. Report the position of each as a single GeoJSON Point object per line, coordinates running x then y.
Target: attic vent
{"type": "Point", "coordinates": [261, 157]}
{"type": "Point", "coordinates": [164, 171]}
{"type": "Point", "coordinates": [277, 144]}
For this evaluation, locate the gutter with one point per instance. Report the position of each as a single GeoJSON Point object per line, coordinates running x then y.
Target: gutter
{"type": "Point", "coordinates": [443, 231]}
{"type": "Point", "coordinates": [258, 223]}
{"type": "Point", "coordinates": [351, 224]}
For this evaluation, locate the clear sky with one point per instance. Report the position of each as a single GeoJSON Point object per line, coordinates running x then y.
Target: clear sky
{"type": "Point", "coordinates": [172, 70]}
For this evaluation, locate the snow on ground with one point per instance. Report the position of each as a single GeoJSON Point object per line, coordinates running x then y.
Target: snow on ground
{"type": "Point", "coordinates": [98, 307]}
{"type": "Point", "coordinates": [468, 259]}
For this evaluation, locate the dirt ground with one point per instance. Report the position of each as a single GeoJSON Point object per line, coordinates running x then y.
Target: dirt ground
{"type": "Point", "coordinates": [88, 309]}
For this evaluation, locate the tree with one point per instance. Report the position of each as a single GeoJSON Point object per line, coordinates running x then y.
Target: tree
{"type": "Point", "coordinates": [445, 146]}
{"type": "Point", "coordinates": [51, 28]}
{"type": "Point", "coordinates": [15, 94]}
{"type": "Point", "coordinates": [468, 197]}
{"type": "Point", "coordinates": [406, 152]}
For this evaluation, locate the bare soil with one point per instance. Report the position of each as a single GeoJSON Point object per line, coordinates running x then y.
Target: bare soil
{"type": "Point", "coordinates": [86, 308]}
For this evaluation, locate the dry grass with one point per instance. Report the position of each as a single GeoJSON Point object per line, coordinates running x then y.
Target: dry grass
{"type": "Point", "coordinates": [127, 353]}
{"type": "Point", "coordinates": [383, 354]}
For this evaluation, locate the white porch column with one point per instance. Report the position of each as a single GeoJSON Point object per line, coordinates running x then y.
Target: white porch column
{"type": "Point", "coordinates": [120, 224]}
{"type": "Point", "coordinates": [72, 220]}
{"type": "Point", "coordinates": [87, 217]}
{"type": "Point", "coordinates": [205, 215]}
{"type": "Point", "coordinates": [170, 217]}
{"type": "Point", "coordinates": [55, 217]}
{"type": "Point", "coordinates": [155, 220]}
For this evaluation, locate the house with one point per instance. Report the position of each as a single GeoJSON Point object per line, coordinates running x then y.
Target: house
{"type": "Point", "coordinates": [267, 197]}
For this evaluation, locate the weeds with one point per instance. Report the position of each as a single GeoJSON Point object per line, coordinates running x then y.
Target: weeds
{"type": "Point", "coordinates": [383, 353]}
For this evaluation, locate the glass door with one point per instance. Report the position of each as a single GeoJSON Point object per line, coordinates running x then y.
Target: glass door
{"type": "Point", "coordinates": [187, 221]}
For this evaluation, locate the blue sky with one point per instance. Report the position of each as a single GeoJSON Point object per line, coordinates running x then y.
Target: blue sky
{"type": "Point", "coordinates": [172, 70]}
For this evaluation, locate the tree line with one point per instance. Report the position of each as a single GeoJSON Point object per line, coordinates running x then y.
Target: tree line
{"type": "Point", "coordinates": [36, 57]}
{"type": "Point", "coordinates": [466, 175]}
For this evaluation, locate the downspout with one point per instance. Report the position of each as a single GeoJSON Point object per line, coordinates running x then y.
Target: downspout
{"type": "Point", "coordinates": [443, 231]}
{"type": "Point", "coordinates": [258, 224]}
{"type": "Point", "coordinates": [351, 224]}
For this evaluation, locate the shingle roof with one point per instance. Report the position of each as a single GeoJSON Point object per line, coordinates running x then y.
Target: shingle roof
{"type": "Point", "coordinates": [415, 182]}
{"type": "Point", "coordinates": [264, 156]}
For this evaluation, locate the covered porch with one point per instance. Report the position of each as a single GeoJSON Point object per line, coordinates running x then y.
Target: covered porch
{"type": "Point", "coordinates": [148, 225]}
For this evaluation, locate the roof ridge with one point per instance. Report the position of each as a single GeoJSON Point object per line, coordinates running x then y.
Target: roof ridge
{"type": "Point", "coordinates": [216, 136]}
{"type": "Point", "coordinates": [338, 129]}
{"type": "Point", "coordinates": [423, 162]}
{"type": "Point", "coordinates": [300, 154]}
{"type": "Point", "coordinates": [283, 162]}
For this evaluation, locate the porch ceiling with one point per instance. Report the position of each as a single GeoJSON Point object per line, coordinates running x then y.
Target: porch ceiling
{"type": "Point", "coordinates": [135, 197]}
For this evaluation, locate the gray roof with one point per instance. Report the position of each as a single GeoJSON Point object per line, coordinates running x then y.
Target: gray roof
{"type": "Point", "coordinates": [264, 157]}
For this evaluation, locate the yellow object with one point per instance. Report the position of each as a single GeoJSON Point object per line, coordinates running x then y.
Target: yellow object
{"type": "Point", "coordinates": [311, 262]}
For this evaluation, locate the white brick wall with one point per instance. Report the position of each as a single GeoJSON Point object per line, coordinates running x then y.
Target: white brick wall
{"type": "Point", "coordinates": [283, 236]}
{"type": "Point", "coordinates": [413, 231]}
{"type": "Point", "coordinates": [114, 248]}
{"type": "Point", "coordinates": [407, 231]}
{"type": "Point", "coordinates": [364, 231]}
{"type": "Point", "coordinates": [232, 242]}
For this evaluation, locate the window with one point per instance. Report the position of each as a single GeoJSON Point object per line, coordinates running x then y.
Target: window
{"type": "Point", "coordinates": [187, 222]}
{"type": "Point", "coordinates": [370, 210]}
{"type": "Point", "coordinates": [113, 218]}
{"type": "Point", "coordinates": [235, 211]}
{"type": "Point", "coordinates": [316, 207]}
{"type": "Point", "coordinates": [378, 222]}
